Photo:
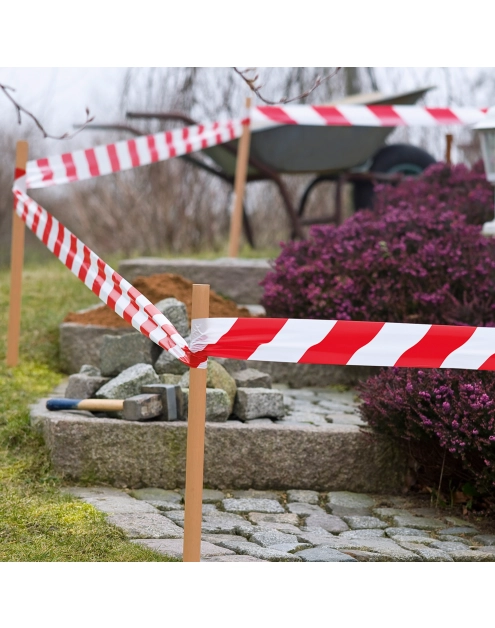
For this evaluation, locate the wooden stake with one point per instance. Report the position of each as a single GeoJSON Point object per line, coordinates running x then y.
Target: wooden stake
{"type": "Point", "coordinates": [195, 451]}
{"type": "Point", "coordinates": [239, 186]}
{"type": "Point", "coordinates": [448, 148]}
{"type": "Point", "coordinates": [16, 262]}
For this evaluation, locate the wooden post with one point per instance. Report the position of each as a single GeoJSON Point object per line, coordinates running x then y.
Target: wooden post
{"type": "Point", "coordinates": [195, 441]}
{"type": "Point", "coordinates": [239, 185]}
{"type": "Point", "coordinates": [16, 262]}
{"type": "Point", "coordinates": [448, 148]}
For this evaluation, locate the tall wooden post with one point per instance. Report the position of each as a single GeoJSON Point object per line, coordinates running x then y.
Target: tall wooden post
{"type": "Point", "coordinates": [449, 138]}
{"type": "Point", "coordinates": [195, 440]}
{"type": "Point", "coordinates": [16, 262]}
{"type": "Point", "coordinates": [239, 186]}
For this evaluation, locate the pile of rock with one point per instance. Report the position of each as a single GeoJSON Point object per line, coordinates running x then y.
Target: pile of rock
{"type": "Point", "coordinates": [134, 367]}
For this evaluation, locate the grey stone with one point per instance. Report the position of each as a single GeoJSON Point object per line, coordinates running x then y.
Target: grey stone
{"type": "Point", "coordinates": [453, 539]}
{"type": "Point", "coordinates": [89, 370]}
{"type": "Point", "coordinates": [428, 554]}
{"type": "Point", "coordinates": [128, 383]}
{"type": "Point", "coordinates": [458, 522]}
{"type": "Point", "coordinates": [254, 403]}
{"type": "Point", "coordinates": [362, 534]}
{"type": "Point", "coordinates": [349, 503]}
{"type": "Point", "coordinates": [176, 312]}
{"type": "Point", "coordinates": [234, 558]}
{"type": "Point", "coordinates": [306, 497]}
{"type": "Point", "coordinates": [172, 399]}
{"type": "Point", "coordinates": [290, 547]}
{"type": "Point", "coordinates": [472, 556]}
{"type": "Point", "coordinates": [459, 530]}
{"type": "Point", "coordinates": [419, 523]}
{"type": "Point", "coordinates": [253, 549]}
{"type": "Point", "coordinates": [388, 513]}
{"type": "Point", "coordinates": [168, 364]}
{"type": "Point", "coordinates": [160, 494]}
{"type": "Point", "coordinates": [142, 407]}
{"type": "Point", "coordinates": [448, 547]}
{"type": "Point", "coordinates": [393, 532]}
{"type": "Point", "coordinates": [217, 404]}
{"type": "Point", "coordinates": [267, 538]}
{"type": "Point", "coordinates": [168, 378]}
{"type": "Point", "coordinates": [485, 539]}
{"type": "Point", "coordinates": [111, 501]}
{"type": "Point", "coordinates": [208, 508]}
{"type": "Point", "coordinates": [324, 554]}
{"type": "Point", "coordinates": [315, 536]}
{"type": "Point", "coordinates": [304, 509]}
{"type": "Point", "coordinates": [146, 526]}
{"type": "Point", "coordinates": [217, 378]}
{"type": "Point", "coordinates": [118, 353]}
{"type": "Point", "coordinates": [382, 546]}
{"type": "Point", "coordinates": [331, 523]}
{"type": "Point", "coordinates": [211, 496]}
{"type": "Point", "coordinates": [288, 528]}
{"type": "Point", "coordinates": [252, 378]}
{"type": "Point", "coordinates": [175, 548]}
{"type": "Point", "coordinates": [255, 494]}
{"type": "Point", "coordinates": [262, 518]}
{"type": "Point", "coordinates": [487, 549]}
{"type": "Point", "coordinates": [423, 540]}
{"type": "Point", "coordinates": [165, 506]}
{"type": "Point", "coordinates": [247, 505]}
{"type": "Point", "coordinates": [83, 386]}
{"type": "Point", "coordinates": [364, 522]}
{"type": "Point", "coordinates": [80, 344]}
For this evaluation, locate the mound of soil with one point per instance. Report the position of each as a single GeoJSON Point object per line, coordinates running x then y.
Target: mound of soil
{"type": "Point", "coordinates": [155, 288]}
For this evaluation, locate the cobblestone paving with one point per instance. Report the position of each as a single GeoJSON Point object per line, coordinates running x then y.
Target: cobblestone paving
{"type": "Point", "coordinates": [318, 407]}
{"type": "Point", "coordinates": [295, 526]}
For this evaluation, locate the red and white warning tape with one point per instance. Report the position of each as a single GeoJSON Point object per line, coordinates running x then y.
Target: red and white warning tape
{"type": "Point", "coordinates": [277, 340]}
{"type": "Point", "coordinates": [140, 151]}
{"type": "Point", "coordinates": [99, 277]}
{"type": "Point", "coordinates": [365, 115]}
{"type": "Point", "coordinates": [345, 342]}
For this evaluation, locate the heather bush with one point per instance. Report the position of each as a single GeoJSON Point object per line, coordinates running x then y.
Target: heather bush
{"type": "Point", "coordinates": [441, 187]}
{"type": "Point", "coordinates": [406, 264]}
{"type": "Point", "coordinates": [443, 418]}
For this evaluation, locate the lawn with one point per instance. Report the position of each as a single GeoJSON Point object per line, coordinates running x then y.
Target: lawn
{"type": "Point", "coordinates": [37, 521]}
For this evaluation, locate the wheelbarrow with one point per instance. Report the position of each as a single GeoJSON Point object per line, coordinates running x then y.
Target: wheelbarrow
{"type": "Point", "coordinates": [342, 154]}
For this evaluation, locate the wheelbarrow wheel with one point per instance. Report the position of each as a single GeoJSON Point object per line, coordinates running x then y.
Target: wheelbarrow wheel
{"type": "Point", "coordinates": [403, 158]}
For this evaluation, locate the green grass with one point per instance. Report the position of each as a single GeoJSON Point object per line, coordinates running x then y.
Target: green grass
{"type": "Point", "coordinates": [37, 521]}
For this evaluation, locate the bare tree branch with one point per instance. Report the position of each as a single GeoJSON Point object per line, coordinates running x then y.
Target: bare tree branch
{"type": "Point", "coordinates": [20, 110]}
{"type": "Point", "coordinates": [250, 77]}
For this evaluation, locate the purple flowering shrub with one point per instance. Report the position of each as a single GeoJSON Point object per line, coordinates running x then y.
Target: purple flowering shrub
{"type": "Point", "coordinates": [442, 187]}
{"type": "Point", "coordinates": [441, 417]}
{"type": "Point", "coordinates": [406, 264]}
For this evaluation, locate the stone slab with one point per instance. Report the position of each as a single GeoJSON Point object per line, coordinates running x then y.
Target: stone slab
{"type": "Point", "coordinates": [81, 344]}
{"type": "Point", "coordinates": [174, 547]}
{"type": "Point", "coordinates": [237, 456]}
{"type": "Point", "coordinates": [305, 497]}
{"type": "Point", "coordinates": [146, 526]}
{"type": "Point", "coordinates": [324, 554]}
{"type": "Point", "coordinates": [236, 278]}
{"type": "Point", "coordinates": [246, 505]}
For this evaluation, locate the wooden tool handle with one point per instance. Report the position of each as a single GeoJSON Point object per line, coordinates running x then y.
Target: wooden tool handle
{"type": "Point", "coordinates": [96, 405]}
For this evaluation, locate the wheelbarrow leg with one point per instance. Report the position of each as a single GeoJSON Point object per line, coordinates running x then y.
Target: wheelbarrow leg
{"type": "Point", "coordinates": [338, 199]}
{"type": "Point", "coordinates": [289, 208]}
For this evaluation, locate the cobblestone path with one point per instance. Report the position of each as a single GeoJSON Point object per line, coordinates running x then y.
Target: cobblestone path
{"type": "Point", "coordinates": [295, 525]}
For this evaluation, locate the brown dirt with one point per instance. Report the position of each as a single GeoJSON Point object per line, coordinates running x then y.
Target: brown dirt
{"type": "Point", "coordinates": [155, 288]}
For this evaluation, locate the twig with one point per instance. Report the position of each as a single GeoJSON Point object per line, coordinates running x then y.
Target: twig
{"type": "Point", "coordinates": [251, 82]}
{"type": "Point", "coordinates": [20, 109]}
{"type": "Point", "coordinates": [441, 476]}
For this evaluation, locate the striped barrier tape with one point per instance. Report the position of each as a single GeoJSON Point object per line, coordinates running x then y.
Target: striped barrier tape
{"type": "Point", "coordinates": [141, 151]}
{"type": "Point", "coordinates": [345, 342]}
{"type": "Point", "coordinates": [365, 115]}
{"type": "Point", "coordinates": [277, 340]}
{"type": "Point", "coordinates": [99, 277]}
